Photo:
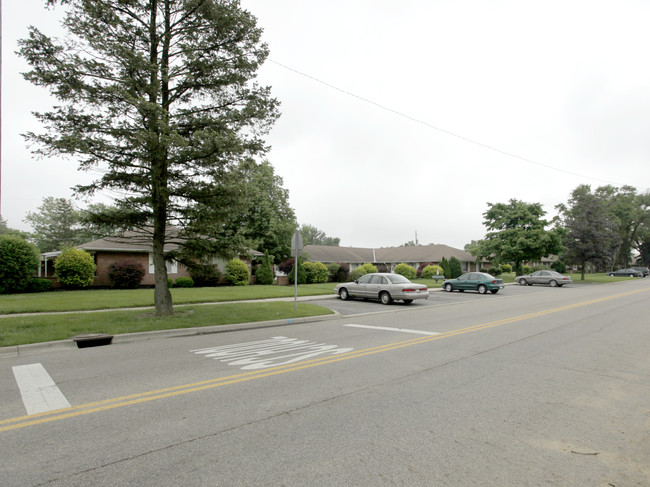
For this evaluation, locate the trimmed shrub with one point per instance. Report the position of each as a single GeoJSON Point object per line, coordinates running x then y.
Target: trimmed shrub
{"type": "Point", "coordinates": [357, 273]}
{"type": "Point", "coordinates": [559, 266]}
{"type": "Point", "coordinates": [455, 267]}
{"type": "Point", "coordinates": [125, 275]}
{"type": "Point", "coordinates": [332, 269]}
{"type": "Point", "coordinates": [316, 272]}
{"type": "Point", "coordinates": [38, 285]}
{"type": "Point", "coordinates": [406, 270]}
{"type": "Point", "coordinates": [444, 263]}
{"type": "Point", "coordinates": [19, 261]}
{"type": "Point", "coordinates": [526, 269]}
{"type": "Point", "coordinates": [495, 271]}
{"type": "Point", "coordinates": [506, 268]}
{"type": "Point", "coordinates": [343, 273]}
{"type": "Point", "coordinates": [75, 268]}
{"type": "Point", "coordinates": [432, 270]}
{"type": "Point", "coordinates": [237, 273]}
{"type": "Point", "coordinates": [369, 268]}
{"type": "Point", "coordinates": [204, 274]}
{"type": "Point", "coordinates": [184, 282]}
{"type": "Point", "coordinates": [302, 274]}
{"type": "Point", "coordinates": [264, 273]}
{"type": "Point", "coordinates": [170, 282]}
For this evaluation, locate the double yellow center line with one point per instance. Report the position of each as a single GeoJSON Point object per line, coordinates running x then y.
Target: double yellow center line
{"type": "Point", "coordinates": [118, 402]}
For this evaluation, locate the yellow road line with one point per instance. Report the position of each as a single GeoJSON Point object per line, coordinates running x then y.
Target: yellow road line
{"type": "Point", "coordinates": [113, 403]}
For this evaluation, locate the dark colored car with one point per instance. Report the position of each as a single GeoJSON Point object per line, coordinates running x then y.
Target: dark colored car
{"type": "Point", "coordinates": [645, 270]}
{"type": "Point", "coordinates": [474, 281]}
{"type": "Point", "coordinates": [626, 273]}
{"type": "Point", "coordinates": [552, 278]}
{"type": "Point", "coordinates": [383, 286]}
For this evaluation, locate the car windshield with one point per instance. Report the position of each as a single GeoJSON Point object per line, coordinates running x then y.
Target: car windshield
{"type": "Point", "coordinates": [397, 279]}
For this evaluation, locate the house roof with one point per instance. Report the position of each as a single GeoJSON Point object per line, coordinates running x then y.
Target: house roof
{"type": "Point", "coordinates": [135, 241]}
{"type": "Point", "coordinates": [356, 255]}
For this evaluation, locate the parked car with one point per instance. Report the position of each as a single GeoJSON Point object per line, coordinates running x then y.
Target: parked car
{"type": "Point", "coordinates": [645, 270]}
{"type": "Point", "coordinates": [626, 273]}
{"type": "Point", "coordinates": [474, 281]}
{"type": "Point", "coordinates": [383, 286]}
{"type": "Point", "coordinates": [552, 278]}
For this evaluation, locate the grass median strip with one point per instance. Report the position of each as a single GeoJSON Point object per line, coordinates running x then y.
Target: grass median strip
{"type": "Point", "coordinates": [20, 330]}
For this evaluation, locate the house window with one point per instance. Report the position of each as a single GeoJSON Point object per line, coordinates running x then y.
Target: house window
{"type": "Point", "coordinates": [172, 267]}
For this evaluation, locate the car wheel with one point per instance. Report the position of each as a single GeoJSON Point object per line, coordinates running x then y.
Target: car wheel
{"type": "Point", "coordinates": [385, 298]}
{"type": "Point", "coordinates": [482, 289]}
{"type": "Point", "coordinates": [407, 301]}
{"type": "Point", "coordinates": [449, 288]}
{"type": "Point", "coordinates": [610, 274]}
{"type": "Point", "coordinates": [494, 291]}
{"type": "Point", "coordinates": [523, 282]}
{"type": "Point", "coordinates": [631, 275]}
{"type": "Point", "coordinates": [343, 294]}
{"type": "Point", "coordinates": [553, 283]}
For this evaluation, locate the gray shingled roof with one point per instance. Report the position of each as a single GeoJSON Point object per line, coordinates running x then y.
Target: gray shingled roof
{"type": "Point", "coordinates": [421, 253]}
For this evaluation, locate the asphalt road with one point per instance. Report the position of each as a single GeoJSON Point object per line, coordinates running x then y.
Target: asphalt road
{"type": "Point", "coordinates": [532, 386]}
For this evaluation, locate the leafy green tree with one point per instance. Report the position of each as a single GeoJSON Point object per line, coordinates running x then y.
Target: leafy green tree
{"type": "Point", "coordinates": [19, 260]}
{"type": "Point", "coordinates": [590, 231]}
{"type": "Point", "coordinates": [160, 96]}
{"type": "Point", "coordinates": [405, 270]}
{"type": "Point", "coordinates": [313, 236]}
{"type": "Point", "coordinates": [6, 230]}
{"type": "Point", "coordinates": [75, 268]}
{"type": "Point", "coordinates": [57, 225]}
{"type": "Point", "coordinates": [517, 233]}
{"type": "Point", "coordinates": [237, 273]}
{"type": "Point", "coordinates": [630, 213]}
{"type": "Point", "coordinates": [269, 221]}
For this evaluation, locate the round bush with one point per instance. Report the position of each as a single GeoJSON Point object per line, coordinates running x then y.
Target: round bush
{"type": "Point", "coordinates": [506, 268]}
{"type": "Point", "coordinates": [343, 273]}
{"type": "Point", "coordinates": [237, 273]}
{"type": "Point", "coordinates": [19, 261]}
{"type": "Point", "coordinates": [38, 285]}
{"type": "Point", "coordinates": [316, 272]}
{"type": "Point", "coordinates": [204, 274]}
{"type": "Point", "coordinates": [184, 282]}
{"type": "Point", "coordinates": [405, 270]}
{"type": "Point", "coordinates": [75, 268]}
{"type": "Point", "coordinates": [357, 273]}
{"type": "Point", "coordinates": [369, 268]}
{"type": "Point", "coordinates": [125, 275]}
{"type": "Point", "coordinates": [432, 270]}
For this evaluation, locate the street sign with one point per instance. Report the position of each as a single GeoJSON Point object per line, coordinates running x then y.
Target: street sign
{"type": "Point", "coordinates": [296, 242]}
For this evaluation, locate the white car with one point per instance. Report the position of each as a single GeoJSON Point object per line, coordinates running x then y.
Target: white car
{"type": "Point", "coordinates": [383, 286]}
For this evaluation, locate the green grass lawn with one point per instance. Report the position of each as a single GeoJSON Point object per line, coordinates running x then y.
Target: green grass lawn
{"type": "Point", "coordinates": [19, 330]}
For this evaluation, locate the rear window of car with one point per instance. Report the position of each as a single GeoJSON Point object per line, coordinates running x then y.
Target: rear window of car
{"type": "Point", "coordinates": [397, 278]}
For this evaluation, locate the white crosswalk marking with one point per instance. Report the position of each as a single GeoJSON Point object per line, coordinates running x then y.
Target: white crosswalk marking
{"type": "Point", "coordinates": [39, 392]}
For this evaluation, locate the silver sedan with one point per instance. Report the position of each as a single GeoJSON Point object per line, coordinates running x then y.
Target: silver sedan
{"type": "Point", "coordinates": [382, 286]}
{"type": "Point", "coordinates": [552, 278]}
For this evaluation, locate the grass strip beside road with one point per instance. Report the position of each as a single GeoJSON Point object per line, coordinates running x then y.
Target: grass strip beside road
{"type": "Point", "coordinates": [20, 330]}
{"type": "Point", "coordinates": [93, 299]}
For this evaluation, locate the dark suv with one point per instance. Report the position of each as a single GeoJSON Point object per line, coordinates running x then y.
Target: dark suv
{"type": "Point", "coordinates": [645, 270]}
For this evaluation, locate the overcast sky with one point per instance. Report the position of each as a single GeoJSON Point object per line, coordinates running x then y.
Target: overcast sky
{"type": "Point", "coordinates": [411, 116]}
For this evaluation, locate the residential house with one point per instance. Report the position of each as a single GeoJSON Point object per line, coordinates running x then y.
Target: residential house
{"type": "Point", "coordinates": [132, 248]}
{"type": "Point", "coordinates": [388, 257]}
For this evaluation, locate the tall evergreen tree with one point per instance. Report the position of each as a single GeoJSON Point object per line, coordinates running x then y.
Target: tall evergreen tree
{"type": "Point", "coordinates": [159, 95]}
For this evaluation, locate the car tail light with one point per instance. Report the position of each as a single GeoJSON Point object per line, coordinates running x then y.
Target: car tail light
{"type": "Point", "coordinates": [408, 290]}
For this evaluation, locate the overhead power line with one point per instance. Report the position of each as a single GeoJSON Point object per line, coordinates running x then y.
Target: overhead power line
{"type": "Point", "coordinates": [444, 131]}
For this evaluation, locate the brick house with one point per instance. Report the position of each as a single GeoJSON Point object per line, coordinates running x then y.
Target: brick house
{"type": "Point", "coordinates": [132, 248]}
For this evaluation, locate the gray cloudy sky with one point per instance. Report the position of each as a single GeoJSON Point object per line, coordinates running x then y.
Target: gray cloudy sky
{"type": "Point", "coordinates": [411, 116]}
